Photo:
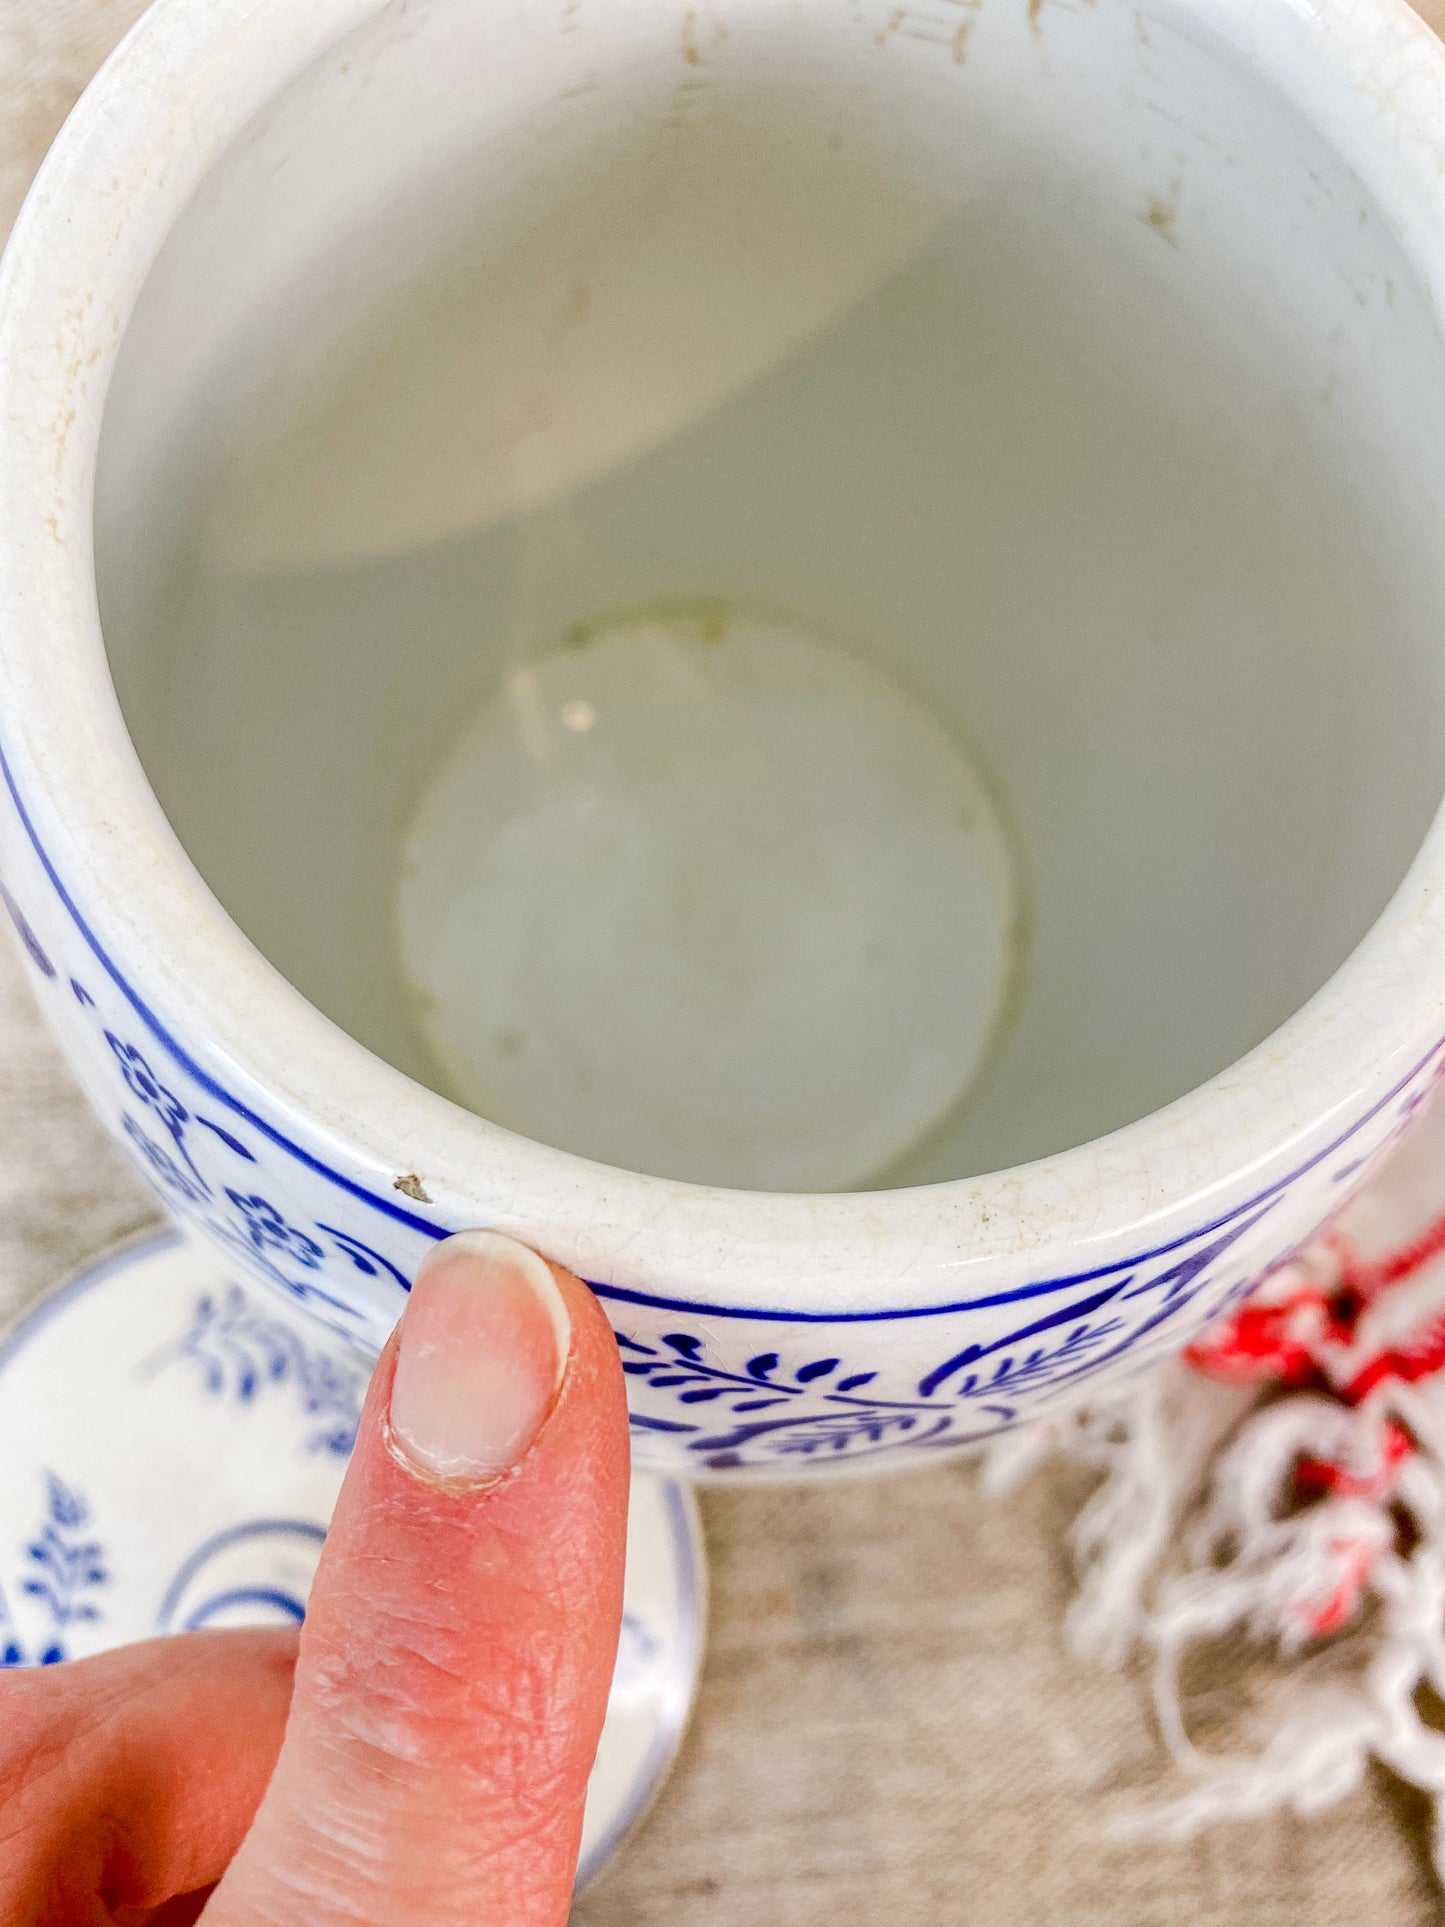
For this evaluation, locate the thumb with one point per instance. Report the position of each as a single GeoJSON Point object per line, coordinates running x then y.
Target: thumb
{"type": "Point", "coordinates": [458, 1648]}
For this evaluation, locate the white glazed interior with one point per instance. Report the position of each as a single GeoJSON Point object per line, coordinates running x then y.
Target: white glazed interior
{"type": "Point", "coordinates": [1367, 74]}
{"type": "Point", "coordinates": [1051, 364]}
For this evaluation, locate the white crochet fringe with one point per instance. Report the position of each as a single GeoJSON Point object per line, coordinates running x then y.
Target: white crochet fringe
{"type": "Point", "coordinates": [1193, 1533]}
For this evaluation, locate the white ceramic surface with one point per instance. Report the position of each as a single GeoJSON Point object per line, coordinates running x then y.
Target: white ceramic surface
{"type": "Point", "coordinates": [1195, 637]}
{"type": "Point", "coordinates": [173, 1445]}
{"type": "Point", "coordinates": [730, 907]}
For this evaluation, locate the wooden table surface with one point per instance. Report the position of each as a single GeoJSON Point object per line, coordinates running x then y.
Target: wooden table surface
{"type": "Point", "coordinates": [889, 1729]}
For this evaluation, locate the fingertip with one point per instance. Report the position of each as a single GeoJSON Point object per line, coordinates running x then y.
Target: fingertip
{"type": "Point", "coordinates": [482, 1352]}
{"type": "Point", "coordinates": [462, 1630]}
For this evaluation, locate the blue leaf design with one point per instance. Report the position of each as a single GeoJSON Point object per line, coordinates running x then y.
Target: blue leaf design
{"type": "Point", "coordinates": [232, 1143]}
{"type": "Point", "coordinates": [239, 1350]}
{"type": "Point", "coordinates": [67, 1508]}
{"type": "Point", "coordinates": [367, 1260]}
{"type": "Point", "coordinates": [818, 1411]}
{"type": "Point", "coordinates": [69, 1567]}
{"type": "Point", "coordinates": [819, 1368]}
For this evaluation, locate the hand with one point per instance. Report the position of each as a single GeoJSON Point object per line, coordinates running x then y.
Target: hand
{"type": "Point", "coordinates": [418, 1755]}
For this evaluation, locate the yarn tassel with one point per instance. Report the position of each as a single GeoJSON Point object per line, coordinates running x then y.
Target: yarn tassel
{"type": "Point", "coordinates": [1283, 1481]}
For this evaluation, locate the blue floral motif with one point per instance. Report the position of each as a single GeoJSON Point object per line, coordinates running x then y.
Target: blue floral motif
{"type": "Point", "coordinates": [1030, 1370]}
{"type": "Point", "coordinates": [726, 1416]}
{"type": "Point", "coordinates": [861, 1433]}
{"type": "Point", "coordinates": [287, 1254]}
{"type": "Point", "coordinates": [258, 1230]}
{"type": "Point", "coordinates": [254, 1226]}
{"type": "Point", "coordinates": [267, 1229]}
{"type": "Point", "coordinates": [172, 1168]}
{"type": "Point", "coordinates": [64, 1566]}
{"type": "Point", "coordinates": [147, 1086]}
{"type": "Point", "coordinates": [822, 1409]}
{"type": "Point", "coordinates": [710, 1392]}
{"type": "Point", "coordinates": [239, 1351]}
{"type": "Point", "coordinates": [165, 1170]}
{"type": "Point", "coordinates": [305, 1289]}
{"type": "Point", "coordinates": [1087, 1346]}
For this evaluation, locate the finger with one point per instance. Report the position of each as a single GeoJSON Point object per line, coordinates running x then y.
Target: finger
{"type": "Point", "coordinates": [132, 1777]}
{"type": "Point", "coordinates": [184, 1911]}
{"type": "Point", "coordinates": [462, 1628]}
